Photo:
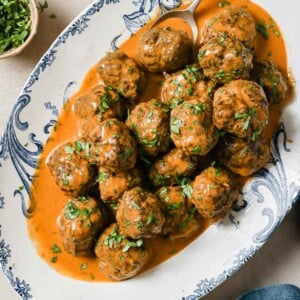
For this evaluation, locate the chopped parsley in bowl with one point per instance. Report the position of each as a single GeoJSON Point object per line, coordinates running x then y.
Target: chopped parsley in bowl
{"type": "Point", "coordinates": [18, 25]}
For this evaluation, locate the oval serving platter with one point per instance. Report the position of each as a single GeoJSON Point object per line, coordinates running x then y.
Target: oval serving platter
{"type": "Point", "coordinates": [207, 262]}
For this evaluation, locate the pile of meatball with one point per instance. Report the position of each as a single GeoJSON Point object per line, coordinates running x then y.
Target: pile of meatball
{"type": "Point", "coordinates": [139, 170]}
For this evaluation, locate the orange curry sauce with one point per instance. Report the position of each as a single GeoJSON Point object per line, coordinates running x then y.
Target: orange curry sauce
{"type": "Point", "coordinates": [48, 199]}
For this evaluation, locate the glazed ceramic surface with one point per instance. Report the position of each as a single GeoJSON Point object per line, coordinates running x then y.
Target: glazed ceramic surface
{"type": "Point", "coordinates": [218, 253]}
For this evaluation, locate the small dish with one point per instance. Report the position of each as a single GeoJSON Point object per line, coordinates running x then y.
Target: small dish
{"type": "Point", "coordinates": [34, 15]}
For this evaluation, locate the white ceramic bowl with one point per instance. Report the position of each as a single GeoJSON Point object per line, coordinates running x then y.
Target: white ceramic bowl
{"type": "Point", "coordinates": [34, 13]}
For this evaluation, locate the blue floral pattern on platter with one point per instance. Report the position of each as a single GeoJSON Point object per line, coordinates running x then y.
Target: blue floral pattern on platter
{"type": "Point", "coordinates": [20, 286]}
{"type": "Point", "coordinates": [24, 156]}
{"type": "Point", "coordinates": [206, 285]}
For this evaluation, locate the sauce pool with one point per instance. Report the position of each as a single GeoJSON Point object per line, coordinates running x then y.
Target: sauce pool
{"type": "Point", "coordinates": [48, 200]}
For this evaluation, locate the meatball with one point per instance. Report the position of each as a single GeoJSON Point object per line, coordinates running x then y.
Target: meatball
{"type": "Point", "coordinates": [243, 156]}
{"type": "Point", "coordinates": [99, 104]}
{"type": "Point", "coordinates": [112, 146]}
{"type": "Point", "coordinates": [180, 216]}
{"type": "Point", "coordinates": [172, 166]}
{"type": "Point", "coordinates": [241, 108]}
{"type": "Point", "coordinates": [164, 49]}
{"type": "Point", "coordinates": [213, 193]}
{"type": "Point", "coordinates": [122, 73]}
{"type": "Point", "coordinates": [69, 166]}
{"type": "Point", "coordinates": [232, 21]}
{"type": "Point", "coordinates": [192, 128]}
{"type": "Point", "coordinates": [268, 75]}
{"type": "Point", "coordinates": [224, 60]}
{"type": "Point", "coordinates": [139, 214]}
{"type": "Point", "coordinates": [79, 224]}
{"type": "Point", "coordinates": [113, 185]}
{"type": "Point", "coordinates": [180, 86]}
{"type": "Point", "coordinates": [149, 121]}
{"type": "Point", "coordinates": [85, 106]}
{"type": "Point", "coordinates": [120, 257]}
{"type": "Point", "coordinates": [102, 102]}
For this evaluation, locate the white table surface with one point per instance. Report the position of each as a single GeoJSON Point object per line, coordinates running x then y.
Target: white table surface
{"type": "Point", "coordinates": [279, 259]}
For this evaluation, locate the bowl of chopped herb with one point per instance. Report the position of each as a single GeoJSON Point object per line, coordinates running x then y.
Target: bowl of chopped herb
{"type": "Point", "coordinates": [18, 25]}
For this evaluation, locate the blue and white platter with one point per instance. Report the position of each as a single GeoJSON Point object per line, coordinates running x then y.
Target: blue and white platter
{"type": "Point", "coordinates": [213, 257]}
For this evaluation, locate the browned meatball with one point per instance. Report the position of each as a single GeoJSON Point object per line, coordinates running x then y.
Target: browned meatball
{"type": "Point", "coordinates": [70, 168]}
{"type": "Point", "coordinates": [113, 147]}
{"type": "Point", "coordinates": [243, 156]}
{"type": "Point", "coordinates": [180, 216]}
{"type": "Point", "coordinates": [241, 108]}
{"type": "Point", "coordinates": [192, 128]}
{"type": "Point", "coordinates": [268, 75]}
{"type": "Point", "coordinates": [139, 214]}
{"type": "Point", "coordinates": [101, 101]}
{"type": "Point", "coordinates": [232, 21]}
{"type": "Point", "coordinates": [113, 185]}
{"type": "Point", "coordinates": [120, 257]}
{"type": "Point", "coordinates": [149, 121]}
{"type": "Point", "coordinates": [164, 49]}
{"type": "Point", "coordinates": [213, 193]}
{"type": "Point", "coordinates": [99, 104]}
{"type": "Point", "coordinates": [79, 224]}
{"type": "Point", "coordinates": [172, 166]}
{"type": "Point", "coordinates": [224, 60]}
{"type": "Point", "coordinates": [180, 86]}
{"type": "Point", "coordinates": [85, 106]}
{"type": "Point", "coordinates": [122, 73]}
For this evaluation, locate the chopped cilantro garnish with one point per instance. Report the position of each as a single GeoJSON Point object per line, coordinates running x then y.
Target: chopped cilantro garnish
{"type": "Point", "coordinates": [113, 238]}
{"type": "Point", "coordinates": [53, 259]}
{"type": "Point", "coordinates": [186, 189]}
{"type": "Point", "coordinates": [55, 249]}
{"type": "Point", "coordinates": [150, 217]}
{"type": "Point", "coordinates": [102, 176]}
{"type": "Point", "coordinates": [176, 124]}
{"type": "Point", "coordinates": [83, 266]}
{"type": "Point", "coordinates": [196, 150]}
{"type": "Point", "coordinates": [247, 116]}
{"type": "Point", "coordinates": [135, 205]}
{"type": "Point", "coordinates": [223, 3]}
{"type": "Point", "coordinates": [262, 29]}
{"type": "Point", "coordinates": [72, 211]}
{"type": "Point", "coordinates": [42, 6]}
{"type": "Point", "coordinates": [130, 243]}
